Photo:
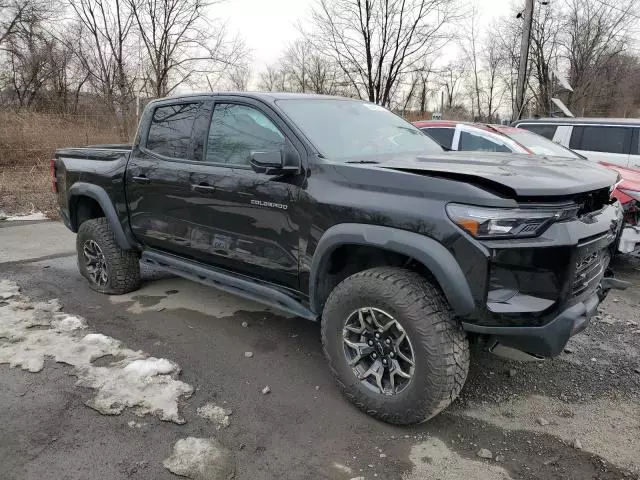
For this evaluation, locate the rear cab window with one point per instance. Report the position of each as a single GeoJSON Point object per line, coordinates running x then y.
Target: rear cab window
{"type": "Point", "coordinates": [442, 135]}
{"type": "Point", "coordinates": [596, 138]}
{"type": "Point", "coordinates": [170, 131]}
{"type": "Point", "coordinates": [477, 143]}
{"type": "Point", "coordinates": [547, 131]}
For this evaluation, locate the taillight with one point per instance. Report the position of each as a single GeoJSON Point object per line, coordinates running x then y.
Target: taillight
{"type": "Point", "coordinates": [54, 179]}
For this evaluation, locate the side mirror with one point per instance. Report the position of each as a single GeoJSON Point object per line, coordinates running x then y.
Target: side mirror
{"type": "Point", "coordinates": [276, 162]}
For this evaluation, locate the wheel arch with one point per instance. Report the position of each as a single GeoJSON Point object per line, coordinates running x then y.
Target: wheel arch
{"type": "Point", "coordinates": [431, 254]}
{"type": "Point", "coordinates": [80, 191]}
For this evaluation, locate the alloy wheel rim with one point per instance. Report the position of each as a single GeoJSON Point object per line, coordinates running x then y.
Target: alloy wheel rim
{"type": "Point", "coordinates": [378, 350]}
{"type": "Point", "coordinates": [95, 263]}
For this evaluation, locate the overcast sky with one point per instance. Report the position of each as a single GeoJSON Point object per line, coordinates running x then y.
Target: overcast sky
{"type": "Point", "coordinates": [268, 25]}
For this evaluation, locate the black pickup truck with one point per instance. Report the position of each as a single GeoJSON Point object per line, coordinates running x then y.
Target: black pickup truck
{"type": "Point", "coordinates": [338, 210]}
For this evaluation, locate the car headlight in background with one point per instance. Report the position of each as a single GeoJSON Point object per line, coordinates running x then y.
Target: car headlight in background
{"type": "Point", "coordinates": [484, 222]}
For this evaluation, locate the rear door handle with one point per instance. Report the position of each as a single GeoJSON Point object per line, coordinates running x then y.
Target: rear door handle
{"type": "Point", "coordinates": [203, 188]}
{"type": "Point", "coordinates": [141, 179]}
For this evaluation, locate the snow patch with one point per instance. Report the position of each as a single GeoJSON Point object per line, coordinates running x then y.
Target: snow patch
{"type": "Point", "coordinates": [68, 323]}
{"type": "Point", "coordinates": [201, 459]}
{"type": "Point", "coordinates": [342, 468]}
{"type": "Point", "coordinates": [144, 384]}
{"type": "Point", "coordinates": [216, 414]}
{"type": "Point", "coordinates": [8, 289]}
{"type": "Point", "coordinates": [433, 459]}
{"type": "Point", "coordinates": [29, 217]}
{"type": "Point", "coordinates": [150, 367]}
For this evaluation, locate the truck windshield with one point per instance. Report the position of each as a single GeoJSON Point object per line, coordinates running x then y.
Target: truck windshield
{"type": "Point", "coordinates": [343, 130]}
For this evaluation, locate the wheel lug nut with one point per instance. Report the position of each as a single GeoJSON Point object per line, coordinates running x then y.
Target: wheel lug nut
{"type": "Point", "coordinates": [391, 354]}
{"type": "Point", "coordinates": [388, 341]}
{"type": "Point", "coordinates": [370, 343]}
{"type": "Point", "coordinates": [377, 335]}
{"type": "Point", "coordinates": [374, 355]}
{"type": "Point", "coordinates": [384, 361]}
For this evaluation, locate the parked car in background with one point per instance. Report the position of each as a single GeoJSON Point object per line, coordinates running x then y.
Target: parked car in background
{"type": "Point", "coordinates": [610, 140]}
{"type": "Point", "coordinates": [465, 136]}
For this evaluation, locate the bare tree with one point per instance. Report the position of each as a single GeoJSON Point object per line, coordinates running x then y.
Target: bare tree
{"type": "Point", "coordinates": [239, 77]}
{"type": "Point", "coordinates": [377, 42]}
{"type": "Point", "coordinates": [470, 43]}
{"type": "Point", "coordinates": [507, 32]}
{"type": "Point", "coordinates": [106, 30]}
{"type": "Point", "coordinates": [272, 79]}
{"type": "Point", "coordinates": [543, 53]}
{"type": "Point", "coordinates": [417, 91]}
{"type": "Point", "coordinates": [296, 64]}
{"type": "Point", "coordinates": [597, 32]}
{"type": "Point", "coordinates": [28, 60]}
{"type": "Point", "coordinates": [182, 44]}
{"type": "Point", "coordinates": [308, 71]}
{"type": "Point", "coordinates": [12, 14]}
{"type": "Point", "coordinates": [450, 78]}
{"type": "Point", "coordinates": [494, 64]}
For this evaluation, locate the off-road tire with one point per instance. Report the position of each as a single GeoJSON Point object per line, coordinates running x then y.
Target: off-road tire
{"type": "Point", "coordinates": [123, 266]}
{"type": "Point", "coordinates": [441, 348]}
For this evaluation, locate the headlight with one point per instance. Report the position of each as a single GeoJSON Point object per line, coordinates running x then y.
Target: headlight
{"type": "Point", "coordinates": [632, 193]}
{"type": "Point", "coordinates": [483, 222]}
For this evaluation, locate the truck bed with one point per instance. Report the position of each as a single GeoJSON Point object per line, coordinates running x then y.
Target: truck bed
{"type": "Point", "coordinates": [105, 152]}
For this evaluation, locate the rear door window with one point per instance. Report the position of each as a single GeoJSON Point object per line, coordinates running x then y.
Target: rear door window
{"type": "Point", "coordinates": [170, 130]}
{"type": "Point", "coordinates": [601, 139]}
{"type": "Point", "coordinates": [472, 142]}
{"type": "Point", "coordinates": [442, 135]}
{"type": "Point", "coordinates": [547, 131]}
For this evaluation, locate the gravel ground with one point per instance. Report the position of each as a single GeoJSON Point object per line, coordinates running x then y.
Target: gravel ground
{"type": "Point", "coordinates": [573, 417]}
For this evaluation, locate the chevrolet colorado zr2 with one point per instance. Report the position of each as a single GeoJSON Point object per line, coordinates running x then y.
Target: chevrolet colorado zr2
{"type": "Point", "coordinates": [338, 211]}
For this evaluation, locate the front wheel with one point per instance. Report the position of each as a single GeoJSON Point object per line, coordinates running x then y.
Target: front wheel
{"type": "Point", "coordinates": [107, 267]}
{"type": "Point", "coordinates": [393, 345]}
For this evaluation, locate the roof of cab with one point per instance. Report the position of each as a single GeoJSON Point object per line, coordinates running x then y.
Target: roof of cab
{"type": "Point", "coordinates": [263, 96]}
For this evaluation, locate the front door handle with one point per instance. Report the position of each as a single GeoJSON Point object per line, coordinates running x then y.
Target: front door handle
{"type": "Point", "coordinates": [141, 179]}
{"type": "Point", "coordinates": [203, 188]}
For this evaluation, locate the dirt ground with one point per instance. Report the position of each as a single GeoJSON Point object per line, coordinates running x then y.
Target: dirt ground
{"type": "Point", "coordinates": [573, 417]}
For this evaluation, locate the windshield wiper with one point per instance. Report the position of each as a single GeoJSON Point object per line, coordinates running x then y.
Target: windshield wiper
{"type": "Point", "coordinates": [361, 161]}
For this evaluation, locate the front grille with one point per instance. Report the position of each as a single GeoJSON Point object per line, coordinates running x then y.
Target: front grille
{"type": "Point", "coordinates": [588, 273]}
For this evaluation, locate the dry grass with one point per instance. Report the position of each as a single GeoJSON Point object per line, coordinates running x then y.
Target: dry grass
{"type": "Point", "coordinates": [25, 190]}
{"type": "Point", "coordinates": [28, 141]}
{"type": "Point", "coordinates": [28, 138]}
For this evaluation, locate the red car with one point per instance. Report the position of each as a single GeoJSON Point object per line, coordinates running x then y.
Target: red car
{"type": "Point", "coordinates": [464, 136]}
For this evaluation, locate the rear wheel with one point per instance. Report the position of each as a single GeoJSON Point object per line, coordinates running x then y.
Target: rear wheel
{"type": "Point", "coordinates": [107, 267]}
{"type": "Point", "coordinates": [393, 345]}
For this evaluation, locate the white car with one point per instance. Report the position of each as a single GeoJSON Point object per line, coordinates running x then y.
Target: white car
{"type": "Point", "coordinates": [611, 140]}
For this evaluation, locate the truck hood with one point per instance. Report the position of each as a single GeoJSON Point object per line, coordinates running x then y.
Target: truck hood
{"type": "Point", "coordinates": [520, 174]}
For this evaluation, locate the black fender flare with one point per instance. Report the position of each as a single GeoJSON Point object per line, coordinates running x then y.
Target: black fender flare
{"type": "Point", "coordinates": [431, 253]}
{"type": "Point", "coordinates": [83, 189]}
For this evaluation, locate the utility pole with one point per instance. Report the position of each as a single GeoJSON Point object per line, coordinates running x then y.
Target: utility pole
{"type": "Point", "coordinates": [527, 17]}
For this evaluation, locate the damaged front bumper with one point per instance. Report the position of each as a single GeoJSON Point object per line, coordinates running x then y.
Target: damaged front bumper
{"type": "Point", "coordinates": [537, 342]}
